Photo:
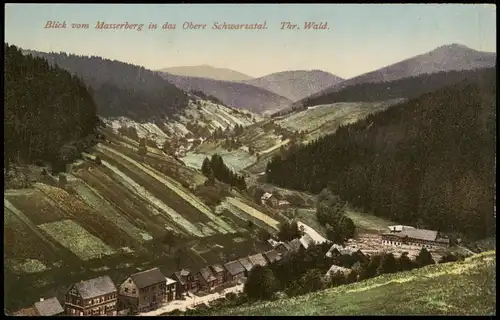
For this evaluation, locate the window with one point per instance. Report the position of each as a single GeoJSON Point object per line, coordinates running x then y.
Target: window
{"type": "Point", "coordinates": [133, 291]}
{"type": "Point", "coordinates": [126, 290]}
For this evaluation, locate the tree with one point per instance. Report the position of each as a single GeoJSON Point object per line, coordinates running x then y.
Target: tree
{"type": "Point", "coordinates": [169, 239]}
{"type": "Point", "coordinates": [311, 281]}
{"type": "Point", "coordinates": [264, 235]}
{"type": "Point", "coordinates": [289, 231]}
{"type": "Point", "coordinates": [336, 279]}
{"type": "Point", "coordinates": [352, 276]}
{"type": "Point", "coordinates": [424, 258]}
{"type": "Point", "coordinates": [388, 264]}
{"type": "Point", "coordinates": [449, 257]}
{"type": "Point", "coordinates": [405, 263]}
{"type": "Point", "coordinates": [261, 284]}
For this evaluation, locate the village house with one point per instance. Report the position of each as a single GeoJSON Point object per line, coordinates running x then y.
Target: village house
{"type": "Point", "coordinates": [143, 291]}
{"type": "Point", "coordinates": [219, 273]}
{"type": "Point", "coordinates": [272, 256]}
{"type": "Point", "coordinates": [343, 250]}
{"type": "Point", "coordinates": [171, 286]}
{"type": "Point", "coordinates": [234, 271]}
{"type": "Point", "coordinates": [294, 245]}
{"type": "Point", "coordinates": [283, 204]}
{"type": "Point", "coordinates": [258, 260]}
{"type": "Point", "coordinates": [411, 237]}
{"type": "Point", "coordinates": [283, 249]}
{"type": "Point", "coordinates": [44, 307]}
{"type": "Point", "coordinates": [92, 297]}
{"type": "Point", "coordinates": [207, 279]}
{"type": "Point", "coordinates": [186, 281]}
{"type": "Point", "coordinates": [336, 269]}
{"type": "Point", "coordinates": [247, 264]}
{"type": "Point", "coordinates": [269, 199]}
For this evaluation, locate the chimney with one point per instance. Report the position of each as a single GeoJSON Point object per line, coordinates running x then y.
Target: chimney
{"type": "Point", "coordinates": [41, 299]}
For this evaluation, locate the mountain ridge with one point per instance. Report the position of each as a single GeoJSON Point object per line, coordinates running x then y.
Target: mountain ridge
{"type": "Point", "coordinates": [207, 71]}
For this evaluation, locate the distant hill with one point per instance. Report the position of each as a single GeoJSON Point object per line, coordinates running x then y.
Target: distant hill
{"type": "Point", "coordinates": [296, 84]}
{"type": "Point", "coordinates": [233, 94]}
{"type": "Point", "coordinates": [445, 58]}
{"type": "Point", "coordinates": [406, 88]}
{"type": "Point", "coordinates": [206, 71]}
{"type": "Point", "coordinates": [435, 289]}
{"type": "Point", "coordinates": [121, 89]}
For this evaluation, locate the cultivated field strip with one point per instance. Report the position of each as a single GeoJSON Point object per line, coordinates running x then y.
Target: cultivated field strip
{"type": "Point", "coordinates": [134, 208]}
{"type": "Point", "coordinates": [84, 215]}
{"type": "Point", "coordinates": [92, 198]}
{"type": "Point", "coordinates": [253, 212]}
{"type": "Point", "coordinates": [146, 195]}
{"type": "Point", "coordinates": [72, 236]}
{"type": "Point", "coordinates": [36, 207]}
{"type": "Point", "coordinates": [193, 200]}
{"type": "Point", "coordinates": [28, 223]}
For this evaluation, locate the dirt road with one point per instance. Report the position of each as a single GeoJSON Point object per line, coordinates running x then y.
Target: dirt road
{"type": "Point", "coordinates": [191, 301]}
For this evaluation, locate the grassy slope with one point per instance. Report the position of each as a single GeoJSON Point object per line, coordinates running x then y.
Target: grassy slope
{"type": "Point", "coordinates": [96, 199]}
{"type": "Point", "coordinates": [460, 288]}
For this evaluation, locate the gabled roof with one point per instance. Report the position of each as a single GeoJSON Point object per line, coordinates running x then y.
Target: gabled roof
{"type": "Point", "coordinates": [421, 234]}
{"type": "Point", "coordinates": [207, 274]}
{"type": "Point", "coordinates": [217, 268]}
{"type": "Point", "coordinates": [182, 275]}
{"type": "Point", "coordinates": [246, 263]}
{"type": "Point", "coordinates": [234, 267]}
{"type": "Point", "coordinates": [148, 278]}
{"type": "Point", "coordinates": [169, 281]}
{"type": "Point", "coordinates": [272, 256]}
{"type": "Point", "coordinates": [95, 287]}
{"type": "Point", "coordinates": [334, 269]}
{"type": "Point", "coordinates": [266, 196]}
{"type": "Point", "coordinates": [49, 307]}
{"type": "Point", "coordinates": [258, 260]}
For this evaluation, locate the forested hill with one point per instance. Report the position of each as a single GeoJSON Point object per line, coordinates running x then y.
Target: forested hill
{"type": "Point", "coordinates": [45, 108]}
{"type": "Point", "coordinates": [122, 89]}
{"type": "Point", "coordinates": [429, 161]}
{"type": "Point", "coordinates": [408, 88]}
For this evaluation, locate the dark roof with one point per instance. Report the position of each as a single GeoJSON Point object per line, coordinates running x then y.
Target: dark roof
{"type": "Point", "coordinates": [95, 287]}
{"type": "Point", "coordinates": [217, 268]}
{"type": "Point", "coordinates": [272, 256]}
{"type": "Point", "coordinates": [246, 263]}
{"type": "Point", "coordinates": [234, 267]}
{"type": "Point", "coordinates": [27, 312]}
{"type": "Point", "coordinates": [285, 245]}
{"type": "Point", "coordinates": [148, 278]}
{"type": "Point", "coordinates": [207, 274]}
{"type": "Point", "coordinates": [258, 259]}
{"type": "Point", "coordinates": [421, 234]}
{"type": "Point", "coordinates": [49, 307]}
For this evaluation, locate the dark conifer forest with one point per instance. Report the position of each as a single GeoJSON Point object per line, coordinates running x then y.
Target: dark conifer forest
{"type": "Point", "coordinates": [122, 89]}
{"type": "Point", "coordinates": [46, 109]}
{"type": "Point", "coordinates": [428, 162]}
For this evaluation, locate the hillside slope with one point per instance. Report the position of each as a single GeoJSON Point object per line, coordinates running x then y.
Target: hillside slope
{"type": "Point", "coordinates": [296, 84]}
{"type": "Point", "coordinates": [460, 288]}
{"type": "Point", "coordinates": [118, 210]}
{"type": "Point", "coordinates": [445, 58]}
{"type": "Point", "coordinates": [428, 161]}
{"type": "Point", "coordinates": [121, 89]}
{"type": "Point", "coordinates": [234, 94]}
{"type": "Point", "coordinates": [206, 71]}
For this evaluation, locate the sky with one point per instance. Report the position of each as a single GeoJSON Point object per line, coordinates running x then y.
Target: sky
{"type": "Point", "coordinates": [360, 37]}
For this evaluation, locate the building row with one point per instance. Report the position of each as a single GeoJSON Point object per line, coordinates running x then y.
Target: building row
{"type": "Point", "coordinates": [147, 290]}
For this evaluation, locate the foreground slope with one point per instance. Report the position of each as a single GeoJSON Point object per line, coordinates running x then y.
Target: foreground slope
{"type": "Point", "coordinates": [296, 84]}
{"type": "Point", "coordinates": [460, 288]}
{"type": "Point", "coordinates": [234, 94]}
{"type": "Point", "coordinates": [206, 71]}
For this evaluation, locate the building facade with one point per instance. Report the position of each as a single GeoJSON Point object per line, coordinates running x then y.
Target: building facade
{"type": "Point", "coordinates": [415, 238]}
{"type": "Point", "coordinates": [95, 297]}
{"type": "Point", "coordinates": [143, 291]}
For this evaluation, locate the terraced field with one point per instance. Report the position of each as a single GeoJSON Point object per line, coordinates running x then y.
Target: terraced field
{"type": "Point", "coordinates": [116, 211]}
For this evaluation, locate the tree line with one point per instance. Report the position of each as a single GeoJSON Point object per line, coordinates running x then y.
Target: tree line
{"type": "Point", "coordinates": [428, 162]}
{"type": "Point", "coordinates": [122, 89]}
{"type": "Point", "coordinates": [49, 114]}
{"type": "Point", "coordinates": [214, 168]}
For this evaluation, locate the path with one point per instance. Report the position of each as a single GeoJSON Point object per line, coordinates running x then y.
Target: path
{"type": "Point", "coordinates": [182, 305]}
